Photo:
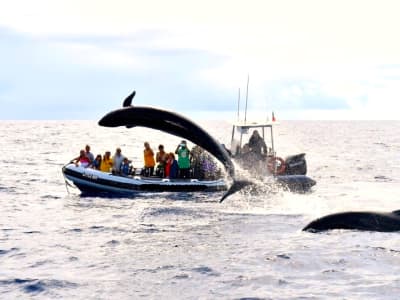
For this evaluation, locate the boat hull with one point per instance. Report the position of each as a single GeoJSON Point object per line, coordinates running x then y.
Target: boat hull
{"type": "Point", "coordinates": [96, 182]}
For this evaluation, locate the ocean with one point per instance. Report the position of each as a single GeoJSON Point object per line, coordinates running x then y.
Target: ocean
{"type": "Point", "coordinates": [56, 244]}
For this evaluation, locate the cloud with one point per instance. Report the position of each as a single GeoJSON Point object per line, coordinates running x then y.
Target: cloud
{"type": "Point", "coordinates": [72, 56]}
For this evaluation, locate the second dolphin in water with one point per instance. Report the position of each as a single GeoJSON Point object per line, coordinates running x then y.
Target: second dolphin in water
{"type": "Point", "coordinates": [366, 221]}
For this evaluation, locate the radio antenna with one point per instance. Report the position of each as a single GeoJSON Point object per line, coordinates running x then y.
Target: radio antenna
{"type": "Point", "coordinates": [247, 96]}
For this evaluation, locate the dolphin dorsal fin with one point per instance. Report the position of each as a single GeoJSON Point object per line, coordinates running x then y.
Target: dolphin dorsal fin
{"type": "Point", "coordinates": [128, 100]}
{"type": "Point", "coordinates": [396, 212]}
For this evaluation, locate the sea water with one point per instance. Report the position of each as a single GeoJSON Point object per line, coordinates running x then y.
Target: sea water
{"type": "Point", "coordinates": [56, 244]}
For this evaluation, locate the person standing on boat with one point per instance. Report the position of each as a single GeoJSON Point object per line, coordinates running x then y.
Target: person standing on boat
{"type": "Point", "coordinates": [89, 154]}
{"type": "Point", "coordinates": [183, 159]}
{"type": "Point", "coordinates": [106, 163]}
{"type": "Point", "coordinates": [257, 143]}
{"type": "Point", "coordinates": [161, 159]}
{"type": "Point", "coordinates": [149, 161]}
{"type": "Point", "coordinates": [118, 158]}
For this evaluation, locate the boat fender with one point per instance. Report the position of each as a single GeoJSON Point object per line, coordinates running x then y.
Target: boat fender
{"type": "Point", "coordinates": [276, 165]}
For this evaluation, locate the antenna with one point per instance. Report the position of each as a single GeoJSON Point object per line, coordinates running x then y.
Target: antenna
{"type": "Point", "coordinates": [238, 106]}
{"type": "Point", "coordinates": [247, 96]}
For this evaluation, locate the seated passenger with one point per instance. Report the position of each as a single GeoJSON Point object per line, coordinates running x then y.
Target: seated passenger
{"type": "Point", "coordinates": [96, 162]}
{"type": "Point", "coordinates": [171, 166]}
{"type": "Point", "coordinates": [245, 149]}
{"type": "Point", "coordinates": [126, 167]}
{"type": "Point", "coordinates": [106, 162]}
{"type": "Point", "coordinates": [82, 160]}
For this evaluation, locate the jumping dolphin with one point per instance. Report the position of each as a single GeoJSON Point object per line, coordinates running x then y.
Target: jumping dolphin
{"type": "Point", "coordinates": [175, 124]}
{"type": "Point", "coordinates": [367, 221]}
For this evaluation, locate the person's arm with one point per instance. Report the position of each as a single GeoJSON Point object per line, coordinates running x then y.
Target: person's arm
{"type": "Point", "coordinates": [177, 148]}
{"type": "Point", "coordinates": [264, 147]}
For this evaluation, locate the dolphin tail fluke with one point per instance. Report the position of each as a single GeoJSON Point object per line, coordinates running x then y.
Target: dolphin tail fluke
{"type": "Point", "coordinates": [236, 186]}
{"type": "Point", "coordinates": [128, 100]}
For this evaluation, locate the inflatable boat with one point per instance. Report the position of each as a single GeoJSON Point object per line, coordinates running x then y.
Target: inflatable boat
{"type": "Point", "coordinates": [91, 181]}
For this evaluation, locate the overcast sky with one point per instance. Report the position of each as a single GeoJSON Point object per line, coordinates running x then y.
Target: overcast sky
{"type": "Point", "coordinates": [306, 59]}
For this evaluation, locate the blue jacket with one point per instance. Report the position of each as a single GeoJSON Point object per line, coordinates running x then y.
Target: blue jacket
{"type": "Point", "coordinates": [173, 173]}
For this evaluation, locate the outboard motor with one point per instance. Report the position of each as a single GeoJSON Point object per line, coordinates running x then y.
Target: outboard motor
{"type": "Point", "coordinates": [296, 164]}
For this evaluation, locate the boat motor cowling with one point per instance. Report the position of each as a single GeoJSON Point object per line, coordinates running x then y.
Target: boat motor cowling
{"type": "Point", "coordinates": [296, 164]}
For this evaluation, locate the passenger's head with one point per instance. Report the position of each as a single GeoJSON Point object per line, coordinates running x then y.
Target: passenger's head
{"type": "Point", "coordinates": [146, 145]}
{"type": "Point", "coordinates": [107, 154]}
{"type": "Point", "coordinates": [246, 148]}
{"type": "Point", "coordinates": [98, 157]}
{"type": "Point", "coordinates": [171, 155]}
{"type": "Point", "coordinates": [87, 148]}
{"type": "Point", "coordinates": [255, 133]}
{"type": "Point", "coordinates": [118, 151]}
{"type": "Point", "coordinates": [161, 147]}
{"type": "Point", "coordinates": [125, 160]}
{"type": "Point", "coordinates": [82, 153]}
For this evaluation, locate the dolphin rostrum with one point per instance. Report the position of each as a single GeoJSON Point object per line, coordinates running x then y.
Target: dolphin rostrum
{"type": "Point", "coordinates": [366, 221]}
{"type": "Point", "coordinates": [175, 124]}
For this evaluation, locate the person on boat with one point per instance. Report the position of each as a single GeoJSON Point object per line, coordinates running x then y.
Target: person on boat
{"type": "Point", "coordinates": [257, 143]}
{"type": "Point", "coordinates": [183, 159]}
{"type": "Point", "coordinates": [171, 166]}
{"type": "Point", "coordinates": [245, 148]}
{"type": "Point", "coordinates": [126, 167]}
{"type": "Point", "coordinates": [82, 160]}
{"type": "Point", "coordinates": [106, 163]}
{"type": "Point", "coordinates": [88, 153]}
{"type": "Point", "coordinates": [209, 167]}
{"type": "Point", "coordinates": [161, 159]}
{"type": "Point", "coordinates": [149, 161]}
{"type": "Point", "coordinates": [195, 162]}
{"type": "Point", "coordinates": [203, 164]}
{"type": "Point", "coordinates": [96, 162]}
{"type": "Point", "coordinates": [118, 158]}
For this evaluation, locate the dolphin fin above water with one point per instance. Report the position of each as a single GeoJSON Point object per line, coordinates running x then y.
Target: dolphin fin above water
{"type": "Point", "coordinates": [128, 100]}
